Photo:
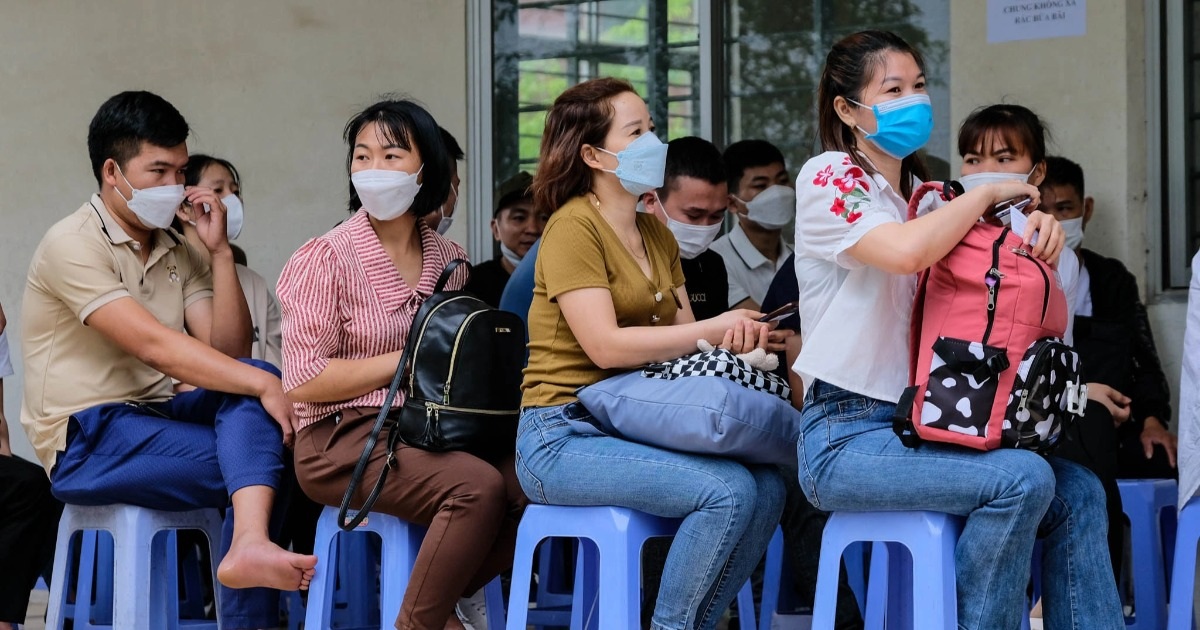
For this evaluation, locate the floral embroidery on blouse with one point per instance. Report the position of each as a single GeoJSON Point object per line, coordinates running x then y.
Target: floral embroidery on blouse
{"type": "Point", "coordinates": [853, 186]}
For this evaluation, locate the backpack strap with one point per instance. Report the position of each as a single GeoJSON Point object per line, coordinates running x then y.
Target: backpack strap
{"type": "Point", "coordinates": [365, 458]}
{"type": "Point", "coordinates": [902, 424]}
{"type": "Point", "coordinates": [449, 271]}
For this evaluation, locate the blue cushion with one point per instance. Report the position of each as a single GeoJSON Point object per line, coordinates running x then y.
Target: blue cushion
{"type": "Point", "coordinates": [709, 415]}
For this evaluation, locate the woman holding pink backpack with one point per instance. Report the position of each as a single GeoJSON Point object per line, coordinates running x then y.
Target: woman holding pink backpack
{"type": "Point", "coordinates": [856, 263]}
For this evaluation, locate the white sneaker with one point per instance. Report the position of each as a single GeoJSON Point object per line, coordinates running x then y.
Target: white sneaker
{"type": "Point", "coordinates": [472, 611]}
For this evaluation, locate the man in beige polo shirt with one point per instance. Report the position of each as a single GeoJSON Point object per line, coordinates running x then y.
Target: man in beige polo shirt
{"type": "Point", "coordinates": [115, 306]}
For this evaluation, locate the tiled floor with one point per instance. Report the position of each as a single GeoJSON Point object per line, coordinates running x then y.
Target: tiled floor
{"type": "Point", "coordinates": [37, 608]}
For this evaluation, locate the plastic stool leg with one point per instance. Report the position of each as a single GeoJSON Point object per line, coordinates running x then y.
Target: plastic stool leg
{"type": "Point", "coordinates": [772, 579]}
{"type": "Point", "coordinates": [878, 584]}
{"type": "Point", "coordinates": [518, 594]}
{"type": "Point", "coordinates": [745, 604]}
{"type": "Point", "coordinates": [319, 613]}
{"type": "Point", "coordinates": [933, 578]}
{"type": "Point", "coordinates": [493, 598]}
{"type": "Point", "coordinates": [828, 572]}
{"type": "Point", "coordinates": [620, 580]}
{"type": "Point", "coordinates": [401, 543]}
{"type": "Point", "coordinates": [132, 584]}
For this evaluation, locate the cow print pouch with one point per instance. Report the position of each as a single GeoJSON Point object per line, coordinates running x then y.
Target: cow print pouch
{"type": "Point", "coordinates": [1046, 397]}
{"type": "Point", "coordinates": [962, 386]}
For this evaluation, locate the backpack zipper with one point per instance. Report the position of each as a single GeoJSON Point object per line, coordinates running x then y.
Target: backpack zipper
{"type": "Point", "coordinates": [432, 407]}
{"type": "Point", "coordinates": [454, 355]}
{"type": "Point", "coordinates": [1037, 358]}
{"type": "Point", "coordinates": [1045, 278]}
{"type": "Point", "coordinates": [992, 280]}
{"type": "Point", "coordinates": [420, 337]}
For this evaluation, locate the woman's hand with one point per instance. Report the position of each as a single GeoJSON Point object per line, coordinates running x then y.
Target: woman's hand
{"type": "Point", "coordinates": [1013, 189]}
{"type": "Point", "coordinates": [745, 335]}
{"type": "Point", "coordinates": [1113, 400]}
{"type": "Point", "coordinates": [1050, 240]}
{"type": "Point", "coordinates": [777, 339]}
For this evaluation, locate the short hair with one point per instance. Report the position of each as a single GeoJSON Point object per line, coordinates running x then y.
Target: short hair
{"type": "Point", "coordinates": [239, 255]}
{"type": "Point", "coordinates": [452, 145]}
{"type": "Point", "coordinates": [128, 119]}
{"type": "Point", "coordinates": [1063, 172]}
{"type": "Point", "coordinates": [1016, 125]}
{"type": "Point", "coordinates": [693, 157]}
{"type": "Point", "coordinates": [745, 154]}
{"type": "Point", "coordinates": [406, 124]}
{"type": "Point", "coordinates": [198, 162]}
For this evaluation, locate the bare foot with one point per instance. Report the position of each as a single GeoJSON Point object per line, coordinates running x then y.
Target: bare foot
{"type": "Point", "coordinates": [453, 623]}
{"type": "Point", "coordinates": [263, 563]}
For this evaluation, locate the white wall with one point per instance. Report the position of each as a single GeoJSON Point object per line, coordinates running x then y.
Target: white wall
{"type": "Point", "coordinates": [267, 84]}
{"type": "Point", "coordinates": [1092, 92]}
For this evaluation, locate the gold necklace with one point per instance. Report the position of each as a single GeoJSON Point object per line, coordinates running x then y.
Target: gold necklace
{"type": "Point", "coordinates": [596, 203]}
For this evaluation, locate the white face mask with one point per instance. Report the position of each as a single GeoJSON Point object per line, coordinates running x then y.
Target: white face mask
{"type": "Point", "coordinates": [773, 208]}
{"type": "Point", "coordinates": [154, 207]}
{"type": "Point", "coordinates": [447, 221]}
{"type": "Point", "coordinates": [235, 215]}
{"type": "Point", "coordinates": [386, 195]}
{"type": "Point", "coordinates": [1073, 231]}
{"type": "Point", "coordinates": [975, 180]}
{"type": "Point", "coordinates": [512, 257]}
{"type": "Point", "coordinates": [692, 239]}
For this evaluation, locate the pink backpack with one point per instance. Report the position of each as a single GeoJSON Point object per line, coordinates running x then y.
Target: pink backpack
{"type": "Point", "coordinates": [988, 365]}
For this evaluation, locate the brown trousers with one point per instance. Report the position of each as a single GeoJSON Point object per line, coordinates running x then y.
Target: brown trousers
{"type": "Point", "coordinates": [472, 508]}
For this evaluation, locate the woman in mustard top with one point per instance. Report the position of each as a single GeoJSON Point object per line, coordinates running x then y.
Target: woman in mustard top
{"type": "Point", "coordinates": [609, 297]}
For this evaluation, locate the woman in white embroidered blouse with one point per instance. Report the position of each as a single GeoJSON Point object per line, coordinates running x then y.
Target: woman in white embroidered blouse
{"type": "Point", "coordinates": [856, 260]}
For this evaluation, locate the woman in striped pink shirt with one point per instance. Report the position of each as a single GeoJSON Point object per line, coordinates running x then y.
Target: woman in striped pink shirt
{"type": "Point", "coordinates": [348, 300]}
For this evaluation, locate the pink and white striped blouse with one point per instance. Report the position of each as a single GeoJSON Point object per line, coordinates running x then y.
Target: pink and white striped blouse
{"type": "Point", "coordinates": [342, 298]}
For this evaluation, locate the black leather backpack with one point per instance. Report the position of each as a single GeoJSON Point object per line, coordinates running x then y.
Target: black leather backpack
{"type": "Point", "coordinates": [461, 375]}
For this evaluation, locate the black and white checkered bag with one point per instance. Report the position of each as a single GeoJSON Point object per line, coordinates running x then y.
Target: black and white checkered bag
{"type": "Point", "coordinates": [723, 363]}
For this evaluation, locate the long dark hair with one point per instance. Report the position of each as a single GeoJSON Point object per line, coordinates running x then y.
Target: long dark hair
{"type": "Point", "coordinates": [581, 115]}
{"type": "Point", "coordinates": [406, 124]}
{"type": "Point", "coordinates": [1018, 126]}
{"type": "Point", "coordinates": [849, 65]}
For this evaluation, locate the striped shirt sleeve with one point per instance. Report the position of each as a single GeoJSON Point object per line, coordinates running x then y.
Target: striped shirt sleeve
{"type": "Point", "coordinates": [308, 300]}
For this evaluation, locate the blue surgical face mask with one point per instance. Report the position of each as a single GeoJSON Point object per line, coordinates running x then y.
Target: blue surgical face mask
{"type": "Point", "coordinates": [642, 165]}
{"type": "Point", "coordinates": [902, 125]}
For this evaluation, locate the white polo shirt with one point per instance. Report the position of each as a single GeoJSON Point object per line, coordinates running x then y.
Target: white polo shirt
{"type": "Point", "coordinates": [750, 273]}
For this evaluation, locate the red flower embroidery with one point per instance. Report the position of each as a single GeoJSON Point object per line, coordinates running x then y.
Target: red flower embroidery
{"type": "Point", "coordinates": [846, 161]}
{"type": "Point", "coordinates": [822, 178]}
{"type": "Point", "coordinates": [846, 183]}
{"type": "Point", "coordinates": [839, 206]}
{"type": "Point", "coordinates": [855, 172]}
{"type": "Point", "coordinates": [853, 216]}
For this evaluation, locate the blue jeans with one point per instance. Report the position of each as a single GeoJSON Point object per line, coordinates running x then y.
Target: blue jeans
{"type": "Point", "coordinates": [729, 510]}
{"type": "Point", "coordinates": [192, 451]}
{"type": "Point", "coordinates": [851, 460]}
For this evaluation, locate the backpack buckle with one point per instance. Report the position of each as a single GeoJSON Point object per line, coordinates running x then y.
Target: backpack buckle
{"type": "Point", "coordinates": [1076, 398]}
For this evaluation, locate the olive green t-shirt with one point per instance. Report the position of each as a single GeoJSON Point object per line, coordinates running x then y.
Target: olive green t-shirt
{"type": "Point", "coordinates": [580, 250]}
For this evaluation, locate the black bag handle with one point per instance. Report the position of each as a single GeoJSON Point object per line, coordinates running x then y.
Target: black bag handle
{"type": "Point", "coordinates": [364, 459]}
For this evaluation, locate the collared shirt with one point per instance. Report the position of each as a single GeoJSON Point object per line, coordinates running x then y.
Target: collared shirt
{"type": "Point", "coordinates": [854, 318]}
{"type": "Point", "coordinates": [6, 368]}
{"type": "Point", "coordinates": [83, 263]}
{"type": "Point", "coordinates": [342, 298]}
{"type": "Point", "coordinates": [750, 273]}
{"type": "Point", "coordinates": [1189, 395]}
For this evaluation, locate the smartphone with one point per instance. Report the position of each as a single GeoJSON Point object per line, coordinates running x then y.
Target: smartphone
{"type": "Point", "coordinates": [1002, 211]}
{"type": "Point", "coordinates": [783, 312]}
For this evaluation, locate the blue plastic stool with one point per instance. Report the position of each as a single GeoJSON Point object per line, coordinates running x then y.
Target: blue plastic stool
{"type": "Point", "coordinates": [144, 587]}
{"type": "Point", "coordinates": [895, 580]}
{"type": "Point", "coordinates": [401, 542]}
{"type": "Point", "coordinates": [1183, 573]}
{"type": "Point", "coordinates": [1150, 507]}
{"type": "Point", "coordinates": [611, 537]}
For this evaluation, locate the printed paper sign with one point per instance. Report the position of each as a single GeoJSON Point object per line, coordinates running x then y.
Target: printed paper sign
{"type": "Point", "coordinates": [1013, 20]}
